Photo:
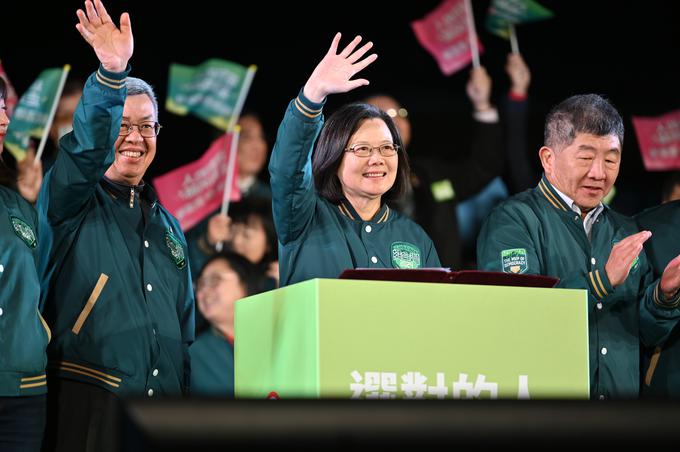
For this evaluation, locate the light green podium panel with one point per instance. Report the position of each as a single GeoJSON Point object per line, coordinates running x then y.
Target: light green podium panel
{"type": "Point", "coordinates": [379, 339]}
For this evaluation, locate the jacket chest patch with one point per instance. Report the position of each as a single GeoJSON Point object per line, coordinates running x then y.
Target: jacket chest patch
{"type": "Point", "coordinates": [514, 260]}
{"type": "Point", "coordinates": [176, 250]}
{"type": "Point", "coordinates": [24, 231]}
{"type": "Point", "coordinates": [405, 255]}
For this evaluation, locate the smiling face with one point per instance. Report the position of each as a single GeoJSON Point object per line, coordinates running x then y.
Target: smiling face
{"type": "Point", "coordinates": [134, 153]}
{"type": "Point", "coordinates": [586, 169]}
{"type": "Point", "coordinates": [368, 178]}
{"type": "Point", "coordinates": [217, 290]}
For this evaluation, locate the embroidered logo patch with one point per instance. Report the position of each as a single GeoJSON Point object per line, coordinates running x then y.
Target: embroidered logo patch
{"type": "Point", "coordinates": [24, 231]}
{"type": "Point", "coordinates": [176, 249]}
{"type": "Point", "coordinates": [514, 260]}
{"type": "Point", "coordinates": [405, 255]}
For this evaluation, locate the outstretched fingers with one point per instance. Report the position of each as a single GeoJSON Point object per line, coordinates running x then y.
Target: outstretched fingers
{"type": "Point", "coordinates": [353, 58]}
{"type": "Point", "coordinates": [361, 65]}
{"type": "Point", "coordinates": [350, 47]}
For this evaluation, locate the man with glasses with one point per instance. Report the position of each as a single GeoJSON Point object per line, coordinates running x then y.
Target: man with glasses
{"type": "Point", "coordinates": [116, 285]}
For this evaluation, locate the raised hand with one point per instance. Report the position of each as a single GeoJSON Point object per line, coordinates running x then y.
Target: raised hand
{"type": "Point", "coordinates": [333, 74]}
{"type": "Point", "coordinates": [520, 76]}
{"type": "Point", "coordinates": [219, 229]}
{"type": "Point", "coordinates": [113, 46]}
{"type": "Point", "coordinates": [479, 89]}
{"type": "Point", "coordinates": [30, 176]}
{"type": "Point", "coordinates": [622, 256]}
{"type": "Point", "coordinates": [670, 280]}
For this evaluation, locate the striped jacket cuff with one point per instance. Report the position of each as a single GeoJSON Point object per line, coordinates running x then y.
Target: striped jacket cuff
{"type": "Point", "coordinates": [114, 80]}
{"type": "Point", "coordinates": [306, 107]}
{"type": "Point", "coordinates": [598, 283]}
{"type": "Point", "coordinates": [662, 301]}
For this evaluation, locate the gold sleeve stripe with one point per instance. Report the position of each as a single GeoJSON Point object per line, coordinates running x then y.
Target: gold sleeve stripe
{"type": "Point", "coordinates": [105, 83]}
{"type": "Point", "coordinates": [111, 80]}
{"type": "Point", "coordinates": [306, 108]}
{"type": "Point", "coordinates": [597, 274]}
{"type": "Point", "coordinates": [302, 109]}
{"type": "Point", "coordinates": [592, 283]}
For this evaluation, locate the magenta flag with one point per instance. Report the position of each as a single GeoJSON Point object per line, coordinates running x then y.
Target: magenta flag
{"type": "Point", "coordinates": [659, 140]}
{"type": "Point", "coordinates": [444, 33]}
{"type": "Point", "coordinates": [192, 192]}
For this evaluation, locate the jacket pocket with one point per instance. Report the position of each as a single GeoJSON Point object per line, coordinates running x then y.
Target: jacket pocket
{"type": "Point", "coordinates": [84, 314]}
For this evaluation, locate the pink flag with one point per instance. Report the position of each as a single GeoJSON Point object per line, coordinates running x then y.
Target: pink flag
{"type": "Point", "coordinates": [12, 98]}
{"type": "Point", "coordinates": [191, 192]}
{"type": "Point", "coordinates": [444, 33]}
{"type": "Point", "coordinates": [659, 140]}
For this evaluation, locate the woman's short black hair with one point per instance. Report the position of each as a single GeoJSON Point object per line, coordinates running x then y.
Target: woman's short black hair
{"type": "Point", "coordinates": [331, 145]}
{"type": "Point", "coordinates": [3, 89]}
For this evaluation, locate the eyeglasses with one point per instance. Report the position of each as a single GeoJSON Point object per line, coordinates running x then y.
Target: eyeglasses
{"type": "Point", "coordinates": [212, 281]}
{"type": "Point", "coordinates": [148, 129]}
{"type": "Point", "coordinates": [364, 150]}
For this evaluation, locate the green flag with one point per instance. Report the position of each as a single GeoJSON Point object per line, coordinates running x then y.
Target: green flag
{"type": "Point", "coordinates": [503, 12]}
{"type": "Point", "coordinates": [32, 116]}
{"type": "Point", "coordinates": [214, 91]}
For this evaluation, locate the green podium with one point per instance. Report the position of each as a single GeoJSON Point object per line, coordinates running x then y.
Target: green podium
{"type": "Point", "coordinates": [385, 340]}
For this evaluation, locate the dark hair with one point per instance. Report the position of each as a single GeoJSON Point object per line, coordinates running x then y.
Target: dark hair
{"type": "Point", "coordinates": [259, 209]}
{"type": "Point", "coordinates": [669, 184]}
{"type": "Point", "coordinates": [3, 88]}
{"type": "Point", "coordinates": [583, 113]}
{"type": "Point", "coordinates": [330, 149]}
{"type": "Point", "coordinates": [247, 272]}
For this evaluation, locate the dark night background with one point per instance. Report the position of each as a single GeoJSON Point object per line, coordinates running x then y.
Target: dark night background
{"type": "Point", "coordinates": [627, 51]}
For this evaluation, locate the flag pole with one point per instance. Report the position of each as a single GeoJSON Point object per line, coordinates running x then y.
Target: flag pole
{"type": "Point", "coordinates": [229, 180]}
{"type": "Point", "coordinates": [472, 34]}
{"type": "Point", "coordinates": [513, 39]}
{"type": "Point", "coordinates": [247, 81]}
{"type": "Point", "coordinates": [236, 130]}
{"type": "Point", "coordinates": [53, 111]}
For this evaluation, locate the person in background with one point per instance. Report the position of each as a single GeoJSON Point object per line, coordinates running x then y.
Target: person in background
{"type": "Point", "coordinates": [250, 160]}
{"type": "Point", "coordinates": [441, 183]}
{"type": "Point", "coordinates": [225, 278]}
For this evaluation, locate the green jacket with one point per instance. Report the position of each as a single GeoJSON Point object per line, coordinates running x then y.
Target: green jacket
{"type": "Point", "coordinates": [318, 239]}
{"type": "Point", "coordinates": [535, 232]}
{"type": "Point", "coordinates": [23, 333]}
{"type": "Point", "coordinates": [212, 365]}
{"type": "Point", "coordinates": [661, 374]}
{"type": "Point", "coordinates": [116, 283]}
